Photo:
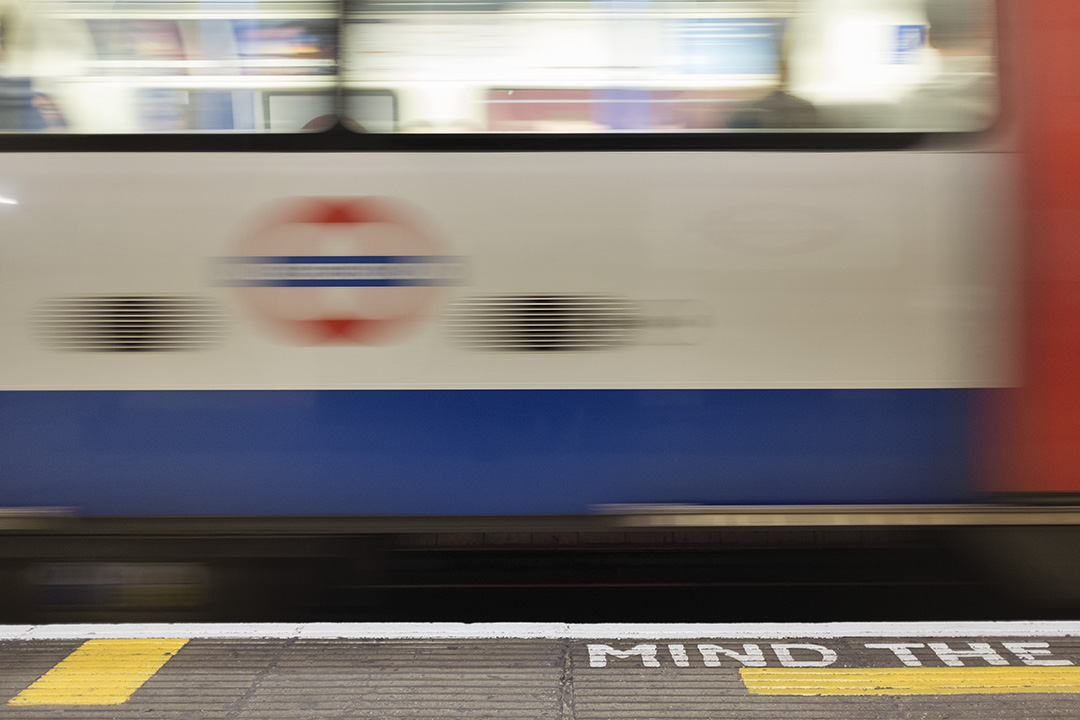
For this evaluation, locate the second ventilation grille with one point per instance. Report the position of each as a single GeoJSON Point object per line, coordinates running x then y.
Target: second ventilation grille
{"type": "Point", "coordinates": [548, 322]}
{"type": "Point", "coordinates": [129, 323]}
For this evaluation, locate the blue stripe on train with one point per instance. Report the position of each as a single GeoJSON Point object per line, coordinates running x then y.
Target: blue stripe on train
{"type": "Point", "coordinates": [478, 451]}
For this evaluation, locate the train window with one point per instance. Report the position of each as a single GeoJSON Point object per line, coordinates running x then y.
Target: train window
{"type": "Point", "coordinates": [144, 66]}
{"type": "Point", "coordinates": [669, 65]}
{"type": "Point", "coordinates": [477, 66]}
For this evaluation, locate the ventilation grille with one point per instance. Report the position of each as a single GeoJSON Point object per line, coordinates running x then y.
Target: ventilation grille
{"type": "Point", "coordinates": [129, 323]}
{"type": "Point", "coordinates": [543, 322]}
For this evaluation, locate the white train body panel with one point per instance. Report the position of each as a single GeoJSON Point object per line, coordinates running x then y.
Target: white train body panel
{"type": "Point", "coordinates": [752, 270]}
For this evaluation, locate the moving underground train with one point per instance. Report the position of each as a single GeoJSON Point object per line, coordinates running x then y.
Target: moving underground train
{"type": "Point", "coordinates": [285, 258]}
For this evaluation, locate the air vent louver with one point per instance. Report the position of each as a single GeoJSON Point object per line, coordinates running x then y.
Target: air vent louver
{"type": "Point", "coordinates": [129, 323]}
{"type": "Point", "coordinates": [549, 322]}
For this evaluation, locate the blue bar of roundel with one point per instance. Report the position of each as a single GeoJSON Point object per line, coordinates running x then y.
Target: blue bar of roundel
{"type": "Point", "coordinates": [344, 259]}
{"type": "Point", "coordinates": [373, 282]}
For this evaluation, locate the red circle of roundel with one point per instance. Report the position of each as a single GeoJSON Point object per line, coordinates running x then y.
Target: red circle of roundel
{"type": "Point", "coordinates": [304, 232]}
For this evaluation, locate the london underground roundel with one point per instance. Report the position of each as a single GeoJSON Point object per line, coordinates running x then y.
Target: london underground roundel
{"type": "Point", "coordinates": [339, 270]}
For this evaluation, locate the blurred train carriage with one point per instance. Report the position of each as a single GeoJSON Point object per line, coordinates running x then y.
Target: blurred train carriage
{"type": "Point", "coordinates": [288, 258]}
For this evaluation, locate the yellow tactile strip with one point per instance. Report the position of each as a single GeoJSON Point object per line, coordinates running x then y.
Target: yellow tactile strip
{"type": "Point", "coordinates": [911, 681]}
{"type": "Point", "coordinates": [100, 672]}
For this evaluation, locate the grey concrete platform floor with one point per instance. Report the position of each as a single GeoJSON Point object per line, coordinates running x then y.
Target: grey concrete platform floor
{"type": "Point", "coordinates": [984, 670]}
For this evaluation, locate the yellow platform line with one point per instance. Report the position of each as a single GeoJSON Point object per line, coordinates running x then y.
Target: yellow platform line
{"type": "Point", "coordinates": [100, 672]}
{"type": "Point", "coordinates": [911, 681]}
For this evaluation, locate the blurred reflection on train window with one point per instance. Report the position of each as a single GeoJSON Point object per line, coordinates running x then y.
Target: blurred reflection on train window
{"type": "Point", "coordinates": [145, 66]}
{"type": "Point", "coordinates": [962, 91]}
{"type": "Point", "coordinates": [660, 65]}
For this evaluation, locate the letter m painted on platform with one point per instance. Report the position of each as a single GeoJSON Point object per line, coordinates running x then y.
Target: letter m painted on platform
{"type": "Point", "coordinates": [598, 654]}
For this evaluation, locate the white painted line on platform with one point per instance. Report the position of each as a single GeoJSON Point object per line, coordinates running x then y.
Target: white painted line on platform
{"type": "Point", "coordinates": [529, 631]}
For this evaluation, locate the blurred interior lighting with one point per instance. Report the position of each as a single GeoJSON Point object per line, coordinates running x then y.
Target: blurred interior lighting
{"type": "Point", "coordinates": [8, 201]}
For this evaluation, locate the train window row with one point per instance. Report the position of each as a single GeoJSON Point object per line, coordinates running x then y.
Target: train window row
{"type": "Point", "coordinates": [491, 66]}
